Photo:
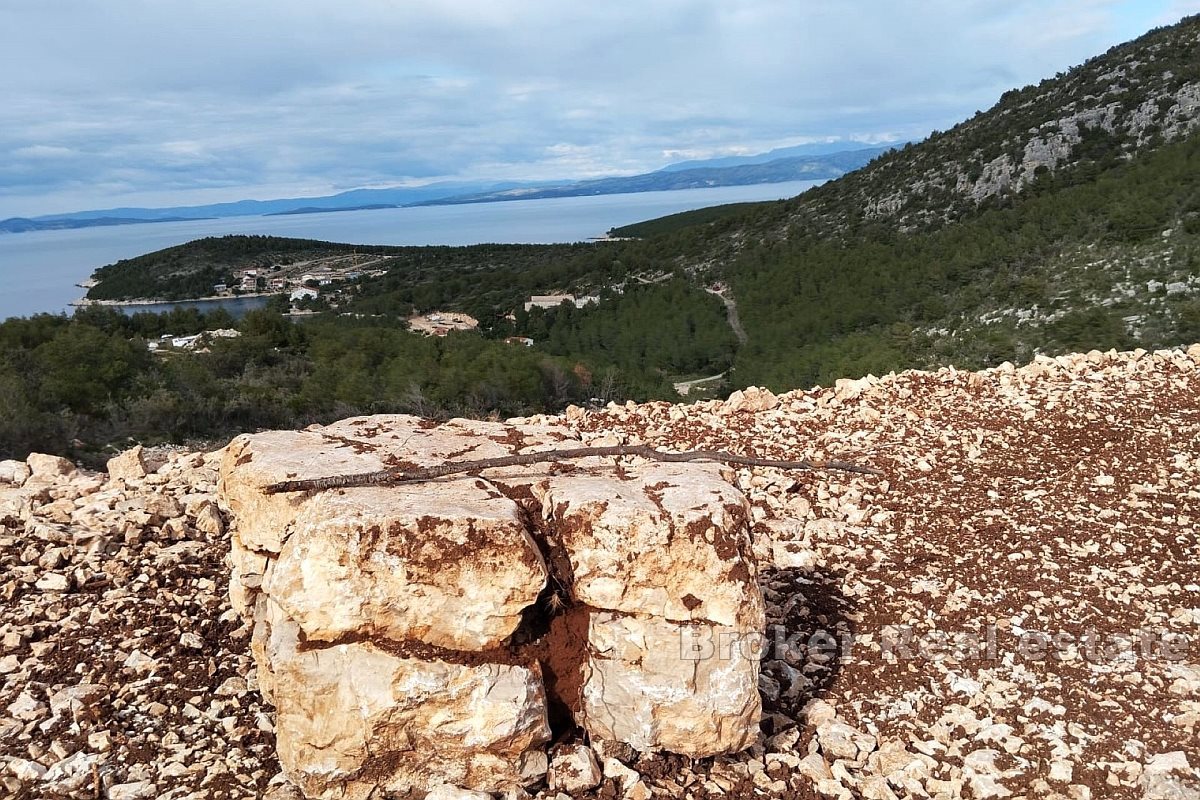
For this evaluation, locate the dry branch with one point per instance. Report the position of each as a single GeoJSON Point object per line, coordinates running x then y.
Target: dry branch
{"type": "Point", "coordinates": [390, 476]}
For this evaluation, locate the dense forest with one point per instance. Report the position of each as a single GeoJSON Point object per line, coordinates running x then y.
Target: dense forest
{"type": "Point", "coordinates": [1082, 259]}
{"type": "Point", "coordinates": [88, 384]}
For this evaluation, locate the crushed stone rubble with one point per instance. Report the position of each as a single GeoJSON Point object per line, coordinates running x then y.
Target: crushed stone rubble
{"type": "Point", "coordinates": [1012, 610]}
{"type": "Point", "coordinates": [123, 667]}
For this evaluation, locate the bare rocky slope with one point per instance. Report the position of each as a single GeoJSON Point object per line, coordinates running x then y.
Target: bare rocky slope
{"type": "Point", "coordinates": [1011, 610]}
{"type": "Point", "coordinates": [1134, 97]}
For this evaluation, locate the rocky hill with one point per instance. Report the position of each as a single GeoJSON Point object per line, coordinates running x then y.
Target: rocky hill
{"type": "Point", "coordinates": [1135, 97]}
{"type": "Point", "coordinates": [1131, 100]}
{"type": "Point", "coordinates": [1010, 609]}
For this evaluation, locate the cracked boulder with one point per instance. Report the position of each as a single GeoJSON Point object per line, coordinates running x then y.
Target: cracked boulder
{"type": "Point", "coordinates": [662, 556]}
{"type": "Point", "coordinates": [357, 716]}
{"type": "Point", "coordinates": [407, 635]}
{"type": "Point", "coordinates": [381, 613]}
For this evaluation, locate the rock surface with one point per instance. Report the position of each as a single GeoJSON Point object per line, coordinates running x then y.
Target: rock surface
{"type": "Point", "coordinates": [14, 472]}
{"type": "Point", "coordinates": [431, 595]}
{"type": "Point", "coordinates": [354, 717]}
{"type": "Point", "coordinates": [641, 687]}
{"type": "Point", "coordinates": [127, 466]}
{"type": "Point", "coordinates": [116, 637]}
{"type": "Point", "coordinates": [450, 565]}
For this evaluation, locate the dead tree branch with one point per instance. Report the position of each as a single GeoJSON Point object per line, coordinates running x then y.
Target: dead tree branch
{"type": "Point", "coordinates": [390, 476]}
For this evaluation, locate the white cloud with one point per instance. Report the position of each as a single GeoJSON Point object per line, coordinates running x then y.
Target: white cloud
{"type": "Point", "coordinates": [40, 151]}
{"type": "Point", "coordinates": [169, 100]}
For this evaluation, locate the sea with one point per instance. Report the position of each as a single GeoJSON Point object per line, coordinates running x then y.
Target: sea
{"type": "Point", "coordinates": [40, 272]}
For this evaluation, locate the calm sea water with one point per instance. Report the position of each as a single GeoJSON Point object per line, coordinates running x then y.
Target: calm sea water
{"type": "Point", "coordinates": [39, 271]}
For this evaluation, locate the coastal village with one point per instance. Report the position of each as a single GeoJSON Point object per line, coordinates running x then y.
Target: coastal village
{"type": "Point", "coordinates": [310, 280]}
{"type": "Point", "coordinates": [434, 323]}
{"type": "Point", "coordinates": [302, 279]}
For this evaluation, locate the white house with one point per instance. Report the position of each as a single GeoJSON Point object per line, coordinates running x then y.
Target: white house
{"type": "Point", "coordinates": [549, 301]}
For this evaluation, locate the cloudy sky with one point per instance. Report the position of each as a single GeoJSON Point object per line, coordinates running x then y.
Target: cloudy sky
{"type": "Point", "coordinates": [166, 102]}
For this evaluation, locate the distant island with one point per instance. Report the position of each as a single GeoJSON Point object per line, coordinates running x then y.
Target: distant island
{"type": "Point", "coordinates": [823, 161]}
{"type": "Point", "coordinates": [325, 210]}
{"type": "Point", "coordinates": [782, 170]}
{"type": "Point", "coordinates": [25, 225]}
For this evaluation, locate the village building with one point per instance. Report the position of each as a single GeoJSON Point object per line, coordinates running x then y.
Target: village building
{"type": "Point", "coordinates": [319, 277]}
{"type": "Point", "coordinates": [524, 340]}
{"type": "Point", "coordinates": [440, 323]}
{"type": "Point", "coordinates": [192, 342]}
{"type": "Point", "coordinates": [556, 300]}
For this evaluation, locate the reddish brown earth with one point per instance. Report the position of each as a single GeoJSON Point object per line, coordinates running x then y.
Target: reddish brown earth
{"type": "Point", "coordinates": [1062, 498]}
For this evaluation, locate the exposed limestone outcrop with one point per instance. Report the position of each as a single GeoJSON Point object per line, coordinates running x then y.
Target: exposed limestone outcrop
{"type": "Point", "coordinates": [427, 633]}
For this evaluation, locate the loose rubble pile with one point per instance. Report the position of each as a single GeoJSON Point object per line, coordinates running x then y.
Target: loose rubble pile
{"type": "Point", "coordinates": [1011, 610]}
{"type": "Point", "coordinates": [123, 666]}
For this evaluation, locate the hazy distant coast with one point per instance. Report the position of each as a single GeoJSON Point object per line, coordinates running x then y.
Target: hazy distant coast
{"type": "Point", "coordinates": [802, 163]}
{"type": "Point", "coordinates": [47, 266]}
{"type": "Point", "coordinates": [26, 225]}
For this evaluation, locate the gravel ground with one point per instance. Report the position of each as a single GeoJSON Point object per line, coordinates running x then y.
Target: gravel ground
{"type": "Point", "coordinates": [1011, 610]}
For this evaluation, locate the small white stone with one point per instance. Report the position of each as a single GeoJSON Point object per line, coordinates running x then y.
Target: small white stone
{"type": "Point", "coordinates": [54, 582]}
{"type": "Point", "coordinates": [574, 769]}
{"type": "Point", "coordinates": [449, 792]}
{"type": "Point", "coordinates": [138, 790]}
{"type": "Point", "coordinates": [1061, 771]}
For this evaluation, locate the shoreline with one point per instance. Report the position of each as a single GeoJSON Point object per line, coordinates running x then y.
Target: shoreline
{"type": "Point", "coordinates": [84, 302]}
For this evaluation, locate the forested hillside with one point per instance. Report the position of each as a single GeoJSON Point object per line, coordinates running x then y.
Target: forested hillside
{"type": "Point", "coordinates": [1066, 217]}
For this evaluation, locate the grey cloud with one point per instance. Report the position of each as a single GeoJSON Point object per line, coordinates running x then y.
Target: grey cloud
{"type": "Point", "coordinates": [180, 100]}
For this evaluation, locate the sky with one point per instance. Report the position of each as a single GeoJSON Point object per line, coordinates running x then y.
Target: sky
{"type": "Point", "coordinates": [169, 102]}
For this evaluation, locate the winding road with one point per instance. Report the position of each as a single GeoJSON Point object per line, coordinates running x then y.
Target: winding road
{"type": "Point", "coordinates": [731, 311]}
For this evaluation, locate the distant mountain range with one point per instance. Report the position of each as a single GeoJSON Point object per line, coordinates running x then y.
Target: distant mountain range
{"type": "Point", "coordinates": [822, 161]}
{"type": "Point", "coordinates": [353, 199]}
{"type": "Point", "coordinates": [771, 170]}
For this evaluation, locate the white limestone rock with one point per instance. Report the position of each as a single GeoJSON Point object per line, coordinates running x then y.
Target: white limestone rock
{"type": "Point", "coordinates": [667, 540]}
{"type": "Point", "coordinates": [354, 717]}
{"type": "Point", "coordinates": [14, 472]}
{"type": "Point", "coordinates": [128, 466]}
{"type": "Point", "coordinates": [641, 687]}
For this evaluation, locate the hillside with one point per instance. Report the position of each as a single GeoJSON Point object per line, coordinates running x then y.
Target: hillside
{"type": "Point", "coordinates": [1130, 100]}
{"type": "Point", "coordinates": [1009, 610]}
{"type": "Point", "coordinates": [190, 270]}
{"type": "Point", "coordinates": [1066, 216]}
{"type": "Point", "coordinates": [791, 168]}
